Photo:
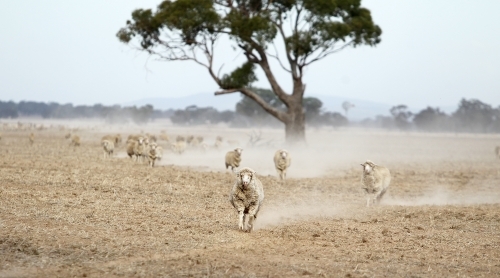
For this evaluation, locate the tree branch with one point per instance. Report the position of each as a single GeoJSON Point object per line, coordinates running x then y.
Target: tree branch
{"type": "Point", "coordinates": [278, 114]}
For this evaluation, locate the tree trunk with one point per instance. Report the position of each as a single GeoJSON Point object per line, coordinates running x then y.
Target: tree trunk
{"type": "Point", "coordinates": [295, 124]}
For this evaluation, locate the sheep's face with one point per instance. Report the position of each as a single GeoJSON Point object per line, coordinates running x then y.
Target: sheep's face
{"type": "Point", "coordinates": [245, 177]}
{"type": "Point", "coordinates": [284, 154]}
{"type": "Point", "coordinates": [140, 140]}
{"type": "Point", "coordinates": [238, 151]}
{"type": "Point", "coordinates": [368, 167]}
{"type": "Point", "coordinates": [153, 146]}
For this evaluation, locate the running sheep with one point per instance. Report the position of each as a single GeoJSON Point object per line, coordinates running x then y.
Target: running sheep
{"type": "Point", "coordinates": [282, 161]}
{"type": "Point", "coordinates": [135, 148]}
{"type": "Point", "coordinates": [233, 158]}
{"type": "Point", "coordinates": [180, 145]}
{"type": "Point", "coordinates": [152, 154]}
{"type": "Point", "coordinates": [375, 181]}
{"type": "Point", "coordinates": [108, 148]}
{"type": "Point", "coordinates": [247, 196]}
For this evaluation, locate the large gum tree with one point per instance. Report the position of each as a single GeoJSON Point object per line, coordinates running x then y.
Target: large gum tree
{"type": "Point", "coordinates": [295, 33]}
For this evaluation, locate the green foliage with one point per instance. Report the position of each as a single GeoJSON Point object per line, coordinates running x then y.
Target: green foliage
{"type": "Point", "coordinates": [323, 23]}
{"type": "Point", "coordinates": [240, 77]}
{"type": "Point", "coordinates": [243, 28]}
{"type": "Point", "coordinates": [188, 17]}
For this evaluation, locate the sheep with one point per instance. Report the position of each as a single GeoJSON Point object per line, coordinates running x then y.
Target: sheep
{"type": "Point", "coordinates": [32, 138]}
{"type": "Point", "coordinates": [233, 158]}
{"type": "Point", "coordinates": [196, 142]}
{"type": "Point", "coordinates": [247, 196]}
{"type": "Point", "coordinates": [180, 145]}
{"type": "Point", "coordinates": [497, 152]}
{"type": "Point", "coordinates": [152, 154]}
{"type": "Point", "coordinates": [375, 181]}
{"type": "Point", "coordinates": [282, 161]}
{"type": "Point", "coordinates": [130, 148]}
{"type": "Point", "coordinates": [135, 148]}
{"type": "Point", "coordinates": [140, 148]}
{"type": "Point", "coordinates": [67, 136]}
{"type": "Point", "coordinates": [75, 141]}
{"type": "Point", "coordinates": [108, 147]}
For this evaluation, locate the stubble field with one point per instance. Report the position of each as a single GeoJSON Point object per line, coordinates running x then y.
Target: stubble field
{"type": "Point", "coordinates": [68, 212]}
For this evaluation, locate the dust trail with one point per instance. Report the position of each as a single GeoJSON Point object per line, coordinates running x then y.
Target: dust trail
{"type": "Point", "coordinates": [274, 215]}
{"type": "Point", "coordinates": [440, 196]}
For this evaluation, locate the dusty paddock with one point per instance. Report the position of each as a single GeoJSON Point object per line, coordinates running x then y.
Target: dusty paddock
{"type": "Point", "coordinates": [67, 212]}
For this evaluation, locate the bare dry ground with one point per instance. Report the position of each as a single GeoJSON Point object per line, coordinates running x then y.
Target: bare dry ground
{"type": "Point", "coordinates": [67, 212]}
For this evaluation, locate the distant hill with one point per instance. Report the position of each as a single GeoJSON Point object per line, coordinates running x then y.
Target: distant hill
{"type": "Point", "coordinates": [362, 109]}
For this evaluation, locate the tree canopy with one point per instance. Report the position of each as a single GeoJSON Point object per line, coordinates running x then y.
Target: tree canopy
{"type": "Point", "coordinates": [296, 33]}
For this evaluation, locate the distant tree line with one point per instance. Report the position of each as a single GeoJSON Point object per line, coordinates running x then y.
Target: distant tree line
{"type": "Point", "coordinates": [247, 114]}
{"type": "Point", "coordinates": [471, 116]}
{"type": "Point", "coordinates": [112, 114]}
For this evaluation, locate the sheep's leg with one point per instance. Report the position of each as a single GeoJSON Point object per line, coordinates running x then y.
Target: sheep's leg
{"type": "Point", "coordinates": [379, 197]}
{"type": "Point", "coordinates": [240, 220]}
{"type": "Point", "coordinates": [252, 215]}
{"type": "Point", "coordinates": [368, 197]}
{"type": "Point", "coordinates": [251, 220]}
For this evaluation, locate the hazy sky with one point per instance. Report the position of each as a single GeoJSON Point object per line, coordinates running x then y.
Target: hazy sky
{"type": "Point", "coordinates": [432, 53]}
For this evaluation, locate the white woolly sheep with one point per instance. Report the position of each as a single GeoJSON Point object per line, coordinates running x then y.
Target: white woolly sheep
{"type": "Point", "coordinates": [247, 196]}
{"type": "Point", "coordinates": [135, 148]}
{"type": "Point", "coordinates": [152, 154]}
{"type": "Point", "coordinates": [282, 161]}
{"type": "Point", "coordinates": [108, 148]}
{"type": "Point", "coordinates": [233, 158]}
{"type": "Point", "coordinates": [140, 148]}
{"type": "Point", "coordinates": [375, 181]}
{"type": "Point", "coordinates": [180, 145]}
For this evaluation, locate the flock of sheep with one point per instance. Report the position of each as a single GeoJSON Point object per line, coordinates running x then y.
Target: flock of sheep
{"type": "Point", "coordinates": [247, 193]}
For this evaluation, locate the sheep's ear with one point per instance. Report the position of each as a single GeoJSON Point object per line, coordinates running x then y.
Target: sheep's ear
{"type": "Point", "coordinates": [362, 164]}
